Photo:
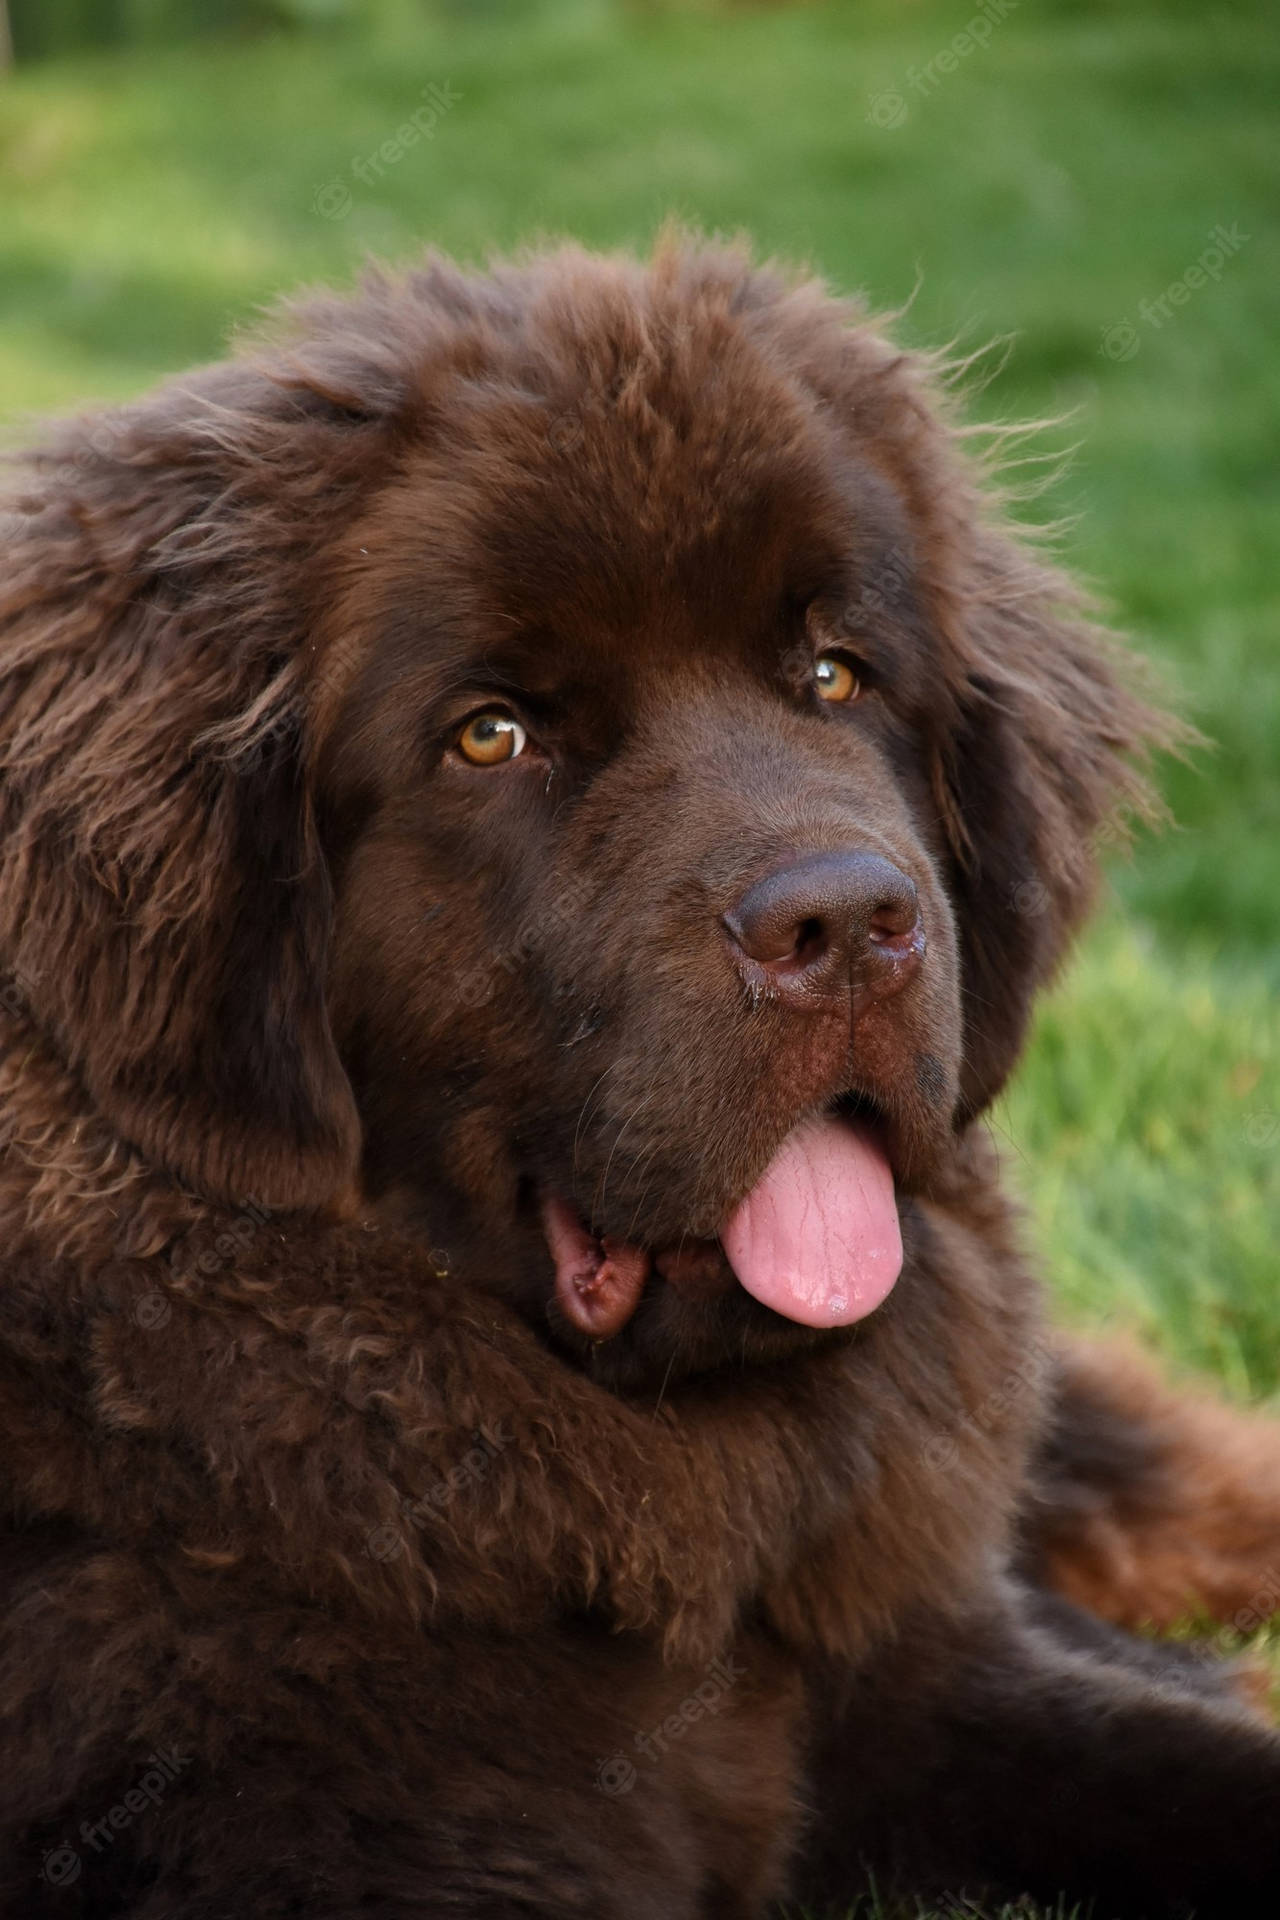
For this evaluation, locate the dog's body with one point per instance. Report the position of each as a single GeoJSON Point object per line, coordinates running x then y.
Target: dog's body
{"type": "Point", "coordinates": [499, 793]}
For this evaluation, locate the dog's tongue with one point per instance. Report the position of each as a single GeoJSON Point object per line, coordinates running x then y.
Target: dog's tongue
{"type": "Point", "coordinates": [817, 1238]}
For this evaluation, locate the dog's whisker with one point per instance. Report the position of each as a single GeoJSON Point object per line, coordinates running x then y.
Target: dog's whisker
{"type": "Point", "coordinates": [657, 1405]}
{"type": "Point", "coordinates": [645, 1159]}
{"type": "Point", "coordinates": [602, 1184]}
{"type": "Point", "coordinates": [582, 1116]}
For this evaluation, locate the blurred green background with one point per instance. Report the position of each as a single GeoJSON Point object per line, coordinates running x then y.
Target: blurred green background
{"type": "Point", "coordinates": [1053, 177]}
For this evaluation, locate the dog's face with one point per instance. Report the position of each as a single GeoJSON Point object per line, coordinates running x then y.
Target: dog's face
{"type": "Point", "coordinates": [637, 867]}
{"type": "Point", "coordinates": [679, 793]}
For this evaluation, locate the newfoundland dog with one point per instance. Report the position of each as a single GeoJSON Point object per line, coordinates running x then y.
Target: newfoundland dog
{"type": "Point", "coordinates": [534, 807]}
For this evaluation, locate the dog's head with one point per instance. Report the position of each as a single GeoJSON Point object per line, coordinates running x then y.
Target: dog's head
{"type": "Point", "coordinates": [566, 757]}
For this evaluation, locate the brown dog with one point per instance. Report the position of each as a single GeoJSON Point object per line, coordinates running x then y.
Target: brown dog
{"type": "Point", "coordinates": [534, 808]}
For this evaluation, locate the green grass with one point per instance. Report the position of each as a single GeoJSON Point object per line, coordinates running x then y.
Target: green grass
{"type": "Point", "coordinates": [1059, 178]}
{"type": "Point", "coordinates": [1145, 1130]}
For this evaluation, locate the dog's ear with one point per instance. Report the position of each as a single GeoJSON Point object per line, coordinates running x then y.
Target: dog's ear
{"type": "Point", "coordinates": [164, 904]}
{"type": "Point", "coordinates": [1037, 761]}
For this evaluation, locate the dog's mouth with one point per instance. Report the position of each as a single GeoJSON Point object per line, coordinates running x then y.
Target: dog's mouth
{"type": "Point", "coordinates": [816, 1240]}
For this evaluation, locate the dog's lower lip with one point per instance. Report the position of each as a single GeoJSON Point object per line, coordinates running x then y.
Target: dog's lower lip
{"type": "Point", "coordinates": [599, 1280]}
{"type": "Point", "coordinates": [698, 1268]}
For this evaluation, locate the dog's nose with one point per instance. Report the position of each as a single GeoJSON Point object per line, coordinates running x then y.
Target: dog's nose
{"type": "Point", "coordinates": [830, 922]}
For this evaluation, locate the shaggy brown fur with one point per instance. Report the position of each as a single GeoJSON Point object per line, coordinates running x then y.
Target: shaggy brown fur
{"type": "Point", "coordinates": [1152, 1506]}
{"type": "Point", "coordinates": [345, 1573]}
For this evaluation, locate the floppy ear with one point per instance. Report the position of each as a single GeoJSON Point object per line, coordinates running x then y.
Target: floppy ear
{"type": "Point", "coordinates": [1041, 754]}
{"type": "Point", "coordinates": [164, 904]}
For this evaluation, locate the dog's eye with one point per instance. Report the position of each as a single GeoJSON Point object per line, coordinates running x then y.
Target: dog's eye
{"type": "Point", "coordinates": [490, 738]}
{"type": "Point", "coordinates": [836, 679]}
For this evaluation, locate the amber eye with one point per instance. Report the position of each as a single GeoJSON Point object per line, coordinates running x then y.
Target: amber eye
{"type": "Point", "coordinates": [836, 679]}
{"type": "Point", "coordinates": [490, 738]}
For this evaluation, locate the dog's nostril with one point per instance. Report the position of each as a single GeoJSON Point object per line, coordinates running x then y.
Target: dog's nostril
{"type": "Point", "coordinates": [895, 920]}
{"type": "Point", "coordinates": [776, 940]}
{"type": "Point", "coordinates": [811, 939]}
{"type": "Point", "coordinates": [830, 917]}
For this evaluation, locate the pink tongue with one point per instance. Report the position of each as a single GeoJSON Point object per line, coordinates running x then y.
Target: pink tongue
{"type": "Point", "coordinates": [817, 1238]}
